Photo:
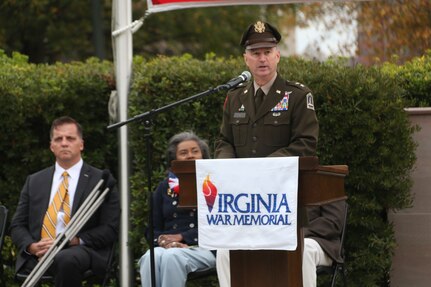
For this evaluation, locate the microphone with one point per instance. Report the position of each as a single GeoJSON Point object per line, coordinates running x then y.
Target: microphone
{"type": "Point", "coordinates": [244, 77]}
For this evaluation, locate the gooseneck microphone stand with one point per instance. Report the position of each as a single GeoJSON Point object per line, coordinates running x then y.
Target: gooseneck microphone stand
{"type": "Point", "coordinates": [147, 117]}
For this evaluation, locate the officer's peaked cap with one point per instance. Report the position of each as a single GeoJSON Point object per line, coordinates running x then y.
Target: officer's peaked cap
{"type": "Point", "coordinates": [260, 35]}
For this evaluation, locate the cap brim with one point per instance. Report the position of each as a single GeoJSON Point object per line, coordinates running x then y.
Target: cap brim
{"type": "Point", "coordinates": [261, 45]}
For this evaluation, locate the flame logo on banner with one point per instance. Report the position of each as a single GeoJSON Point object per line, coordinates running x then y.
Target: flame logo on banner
{"type": "Point", "coordinates": [210, 192]}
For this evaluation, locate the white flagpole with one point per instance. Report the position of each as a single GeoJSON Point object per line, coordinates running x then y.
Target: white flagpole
{"type": "Point", "coordinates": [123, 57]}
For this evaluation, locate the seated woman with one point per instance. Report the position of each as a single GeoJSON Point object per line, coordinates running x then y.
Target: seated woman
{"type": "Point", "coordinates": [175, 230]}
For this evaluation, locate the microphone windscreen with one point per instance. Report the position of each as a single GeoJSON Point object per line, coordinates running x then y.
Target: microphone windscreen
{"type": "Point", "coordinates": [247, 75]}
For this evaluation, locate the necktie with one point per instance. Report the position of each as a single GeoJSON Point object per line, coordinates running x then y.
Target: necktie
{"type": "Point", "coordinates": [60, 201]}
{"type": "Point", "coordinates": [258, 98]}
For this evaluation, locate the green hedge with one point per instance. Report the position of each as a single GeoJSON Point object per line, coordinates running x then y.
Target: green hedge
{"type": "Point", "coordinates": [360, 112]}
{"type": "Point", "coordinates": [31, 96]}
{"type": "Point", "coordinates": [415, 77]}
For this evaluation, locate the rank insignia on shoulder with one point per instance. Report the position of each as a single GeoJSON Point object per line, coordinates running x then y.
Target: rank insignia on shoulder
{"type": "Point", "coordinates": [310, 101]}
{"type": "Point", "coordinates": [297, 85]}
{"type": "Point", "coordinates": [282, 105]}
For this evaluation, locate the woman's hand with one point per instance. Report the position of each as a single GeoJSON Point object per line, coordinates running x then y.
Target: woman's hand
{"type": "Point", "coordinates": [176, 245]}
{"type": "Point", "coordinates": [171, 241]}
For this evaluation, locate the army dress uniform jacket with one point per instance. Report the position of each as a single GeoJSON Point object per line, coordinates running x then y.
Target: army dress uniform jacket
{"type": "Point", "coordinates": [284, 125]}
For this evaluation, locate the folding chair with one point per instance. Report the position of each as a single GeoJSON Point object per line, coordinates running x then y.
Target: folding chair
{"type": "Point", "coordinates": [3, 219]}
{"type": "Point", "coordinates": [201, 274]}
{"type": "Point", "coordinates": [337, 268]}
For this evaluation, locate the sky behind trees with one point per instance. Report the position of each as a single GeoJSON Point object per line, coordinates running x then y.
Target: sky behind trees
{"type": "Point", "coordinates": [336, 41]}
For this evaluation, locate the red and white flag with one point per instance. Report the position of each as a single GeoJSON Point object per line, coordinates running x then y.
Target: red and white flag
{"type": "Point", "coordinates": [155, 6]}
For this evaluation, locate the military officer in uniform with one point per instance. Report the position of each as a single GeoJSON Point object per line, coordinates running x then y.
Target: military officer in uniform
{"type": "Point", "coordinates": [273, 117]}
{"type": "Point", "coordinates": [268, 116]}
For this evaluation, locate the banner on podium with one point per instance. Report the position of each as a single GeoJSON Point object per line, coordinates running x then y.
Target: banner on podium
{"type": "Point", "coordinates": [247, 204]}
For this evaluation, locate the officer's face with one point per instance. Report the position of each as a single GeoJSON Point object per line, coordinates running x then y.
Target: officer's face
{"type": "Point", "coordinates": [262, 63]}
{"type": "Point", "coordinates": [188, 150]}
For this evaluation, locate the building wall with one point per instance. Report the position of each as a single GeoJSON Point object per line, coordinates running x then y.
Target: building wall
{"type": "Point", "coordinates": [411, 264]}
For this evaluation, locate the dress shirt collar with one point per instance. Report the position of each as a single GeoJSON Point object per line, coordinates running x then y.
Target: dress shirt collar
{"type": "Point", "coordinates": [265, 88]}
{"type": "Point", "coordinates": [73, 172]}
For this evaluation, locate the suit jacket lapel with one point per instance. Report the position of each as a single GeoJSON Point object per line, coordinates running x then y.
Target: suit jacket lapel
{"type": "Point", "coordinates": [81, 188]}
{"type": "Point", "coordinates": [44, 187]}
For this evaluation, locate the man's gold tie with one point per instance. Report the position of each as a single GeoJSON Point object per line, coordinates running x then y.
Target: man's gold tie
{"type": "Point", "coordinates": [60, 201]}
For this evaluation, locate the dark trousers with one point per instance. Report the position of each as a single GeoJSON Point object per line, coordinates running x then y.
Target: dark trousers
{"type": "Point", "coordinates": [68, 267]}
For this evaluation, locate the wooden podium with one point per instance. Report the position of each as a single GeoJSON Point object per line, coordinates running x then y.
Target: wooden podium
{"type": "Point", "coordinates": [276, 268]}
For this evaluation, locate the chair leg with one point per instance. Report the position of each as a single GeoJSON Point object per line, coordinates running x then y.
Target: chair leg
{"type": "Point", "coordinates": [339, 269]}
{"type": "Point", "coordinates": [106, 280]}
{"type": "Point", "coordinates": [112, 276]}
{"type": "Point", "coordinates": [343, 273]}
{"type": "Point", "coordinates": [334, 277]}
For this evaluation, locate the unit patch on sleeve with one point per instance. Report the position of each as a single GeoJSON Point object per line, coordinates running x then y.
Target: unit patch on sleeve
{"type": "Point", "coordinates": [310, 102]}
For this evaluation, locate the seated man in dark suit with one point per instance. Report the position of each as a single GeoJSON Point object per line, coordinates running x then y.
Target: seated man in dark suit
{"type": "Point", "coordinates": [51, 197]}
